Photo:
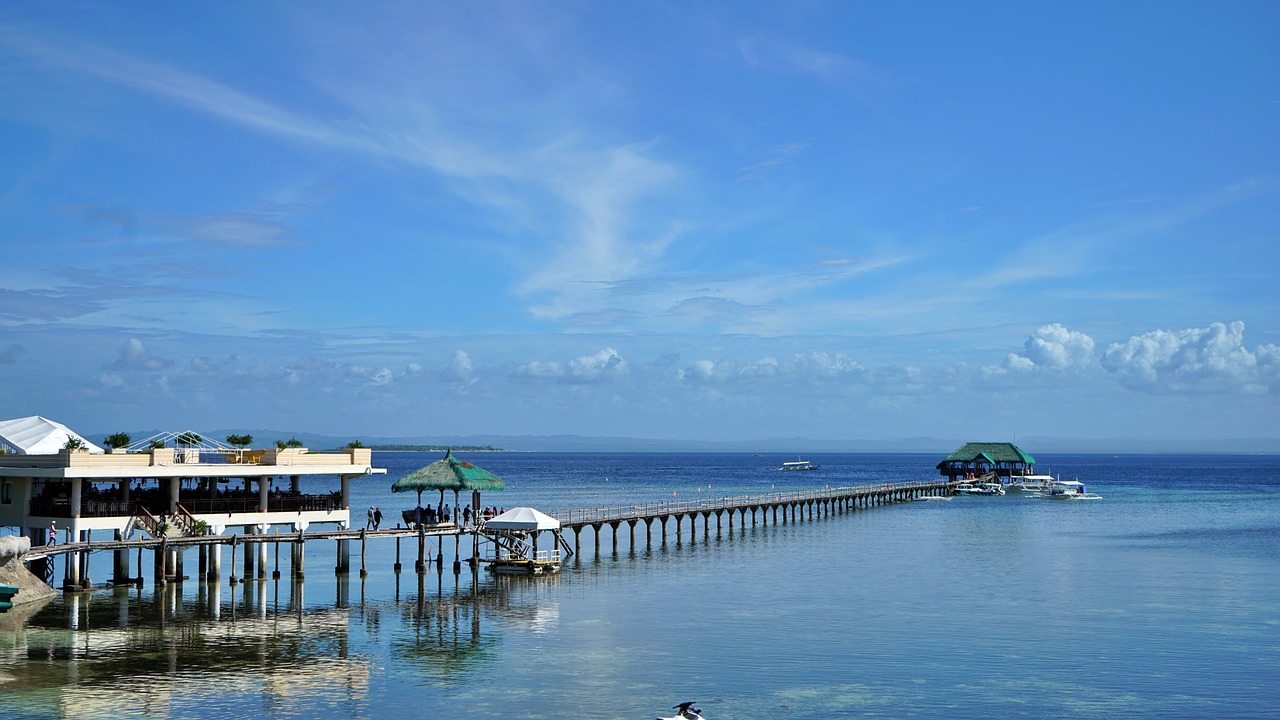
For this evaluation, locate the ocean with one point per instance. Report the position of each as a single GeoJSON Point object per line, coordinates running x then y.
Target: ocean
{"type": "Point", "coordinates": [1162, 600]}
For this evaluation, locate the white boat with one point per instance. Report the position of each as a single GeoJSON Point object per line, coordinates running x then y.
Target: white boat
{"type": "Point", "coordinates": [985, 488]}
{"type": "Point", "coordinates": [1068, 490]}
{"type": "Point", "coordinates": [1029, 483]}
{"type": "Point", "coordinates": [798, 465]}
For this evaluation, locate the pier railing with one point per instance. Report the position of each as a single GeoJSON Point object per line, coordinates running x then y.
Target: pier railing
{"type": "Point", "coordinates": [732, 502]}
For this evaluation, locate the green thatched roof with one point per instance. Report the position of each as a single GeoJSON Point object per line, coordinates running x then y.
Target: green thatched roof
{"type": "Point", "coordinates": [449, 473]}
{"type": "Point", "coordinates": [993, 453]}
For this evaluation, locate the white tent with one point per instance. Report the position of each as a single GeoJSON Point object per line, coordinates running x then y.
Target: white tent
{"type": "Point", "coordinates": [38, 436]}
{"type": "Point", "coordinates": [523, 518]}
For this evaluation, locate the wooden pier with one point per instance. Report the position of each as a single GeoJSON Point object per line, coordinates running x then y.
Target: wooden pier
{"type": "Point", "coordinates": [793, 506]}
{"type": "Point", "coordinates": [778, 507]}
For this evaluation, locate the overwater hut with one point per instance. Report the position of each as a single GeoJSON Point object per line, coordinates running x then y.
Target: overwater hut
{"type": "Point", "coordinates": [979, 458]}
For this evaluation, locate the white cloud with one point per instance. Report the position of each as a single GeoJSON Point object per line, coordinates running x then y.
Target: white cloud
{"type": "Point", "coordinates": [604, 365]}
{"type": "Point", "coordinates": [133, 355]}
{"type": "Point", "coordinates": [460, 368]}
{"type": "Point", "coordinates": [1196, 359]}
{"type": "Point", "coordinates": [1051, 348]}
{"type": "Point", "coordinates": [811, 367]}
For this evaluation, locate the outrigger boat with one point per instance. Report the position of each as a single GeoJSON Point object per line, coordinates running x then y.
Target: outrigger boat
{"type": "Point", "coordinates": [1068, 490]}
{"type": "Point", "coordinates": [986, 488]}
{"type": "Point", "coordinates": [1029, 483]}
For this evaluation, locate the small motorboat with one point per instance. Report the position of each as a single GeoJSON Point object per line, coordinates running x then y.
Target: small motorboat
{"type": "Point", "coordinates": [685, 711]}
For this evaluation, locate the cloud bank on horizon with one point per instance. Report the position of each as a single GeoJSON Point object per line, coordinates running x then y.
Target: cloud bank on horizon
{"type": "Point", "coordinates": [734, 221]}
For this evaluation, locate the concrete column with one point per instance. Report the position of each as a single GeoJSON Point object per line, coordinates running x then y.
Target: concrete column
{"type": "Point", "coordinates": [71, 570]}
{"type": "Point", "coordinates": [343, 565]}
{"type": "Point", "coordinates": [262, 561]}
{"type": "Point", "coordinates": [346, 491]}
{"type": "Point", "coordinates": [264, 485]}
{"type": "Point", "coordinates": [120, 572]}
{"type": "Point", "coordinates": [297, 557]}
{"type": "Point", "coordinates": [214, 558]}
{"type": "Point", "coordinates": [249, 554]}
{"type": "Point", "coordinates": [76, 485]}
{"type": "Point", "coordinates": [174, 485]}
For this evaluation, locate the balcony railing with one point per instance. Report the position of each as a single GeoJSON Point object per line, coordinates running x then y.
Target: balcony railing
{"type": "Point", "coordinates": [61, 507]}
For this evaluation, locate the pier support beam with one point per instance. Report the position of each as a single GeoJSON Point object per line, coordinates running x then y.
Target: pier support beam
{"type": "Point", "coordinates": [262, 561]}
{"type": "Point", "coordinates": [297, 558]}
{"type": "Point", "coordinates": [213, 559]}
{"type": "Point", "coordinates": [343, 564]}
{"type": "Point", "coordinates": [120, 572]}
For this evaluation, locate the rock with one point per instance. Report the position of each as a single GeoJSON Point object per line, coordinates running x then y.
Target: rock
{"type": "Point", "coordinates": [13, 572]}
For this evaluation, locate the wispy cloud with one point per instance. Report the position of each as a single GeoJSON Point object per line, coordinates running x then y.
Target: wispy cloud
{"type": "Point", "coordinates": [775, 158]}
{"type": "Point", "coordinates": [786, 56]}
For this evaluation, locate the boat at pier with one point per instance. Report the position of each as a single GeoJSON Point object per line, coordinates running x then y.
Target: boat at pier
{"type": "Point", "coordinates": [1029, 483]}
{"type": "Point", "coordinates": [982, 488]}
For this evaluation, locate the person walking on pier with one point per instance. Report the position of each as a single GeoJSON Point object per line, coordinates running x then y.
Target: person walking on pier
{"type": "Point", "coordinates": [53, 533]}
{"type": "Point", "coordinates": [369, 522]}
{"type": "Point", "coordinates": [377, 517]}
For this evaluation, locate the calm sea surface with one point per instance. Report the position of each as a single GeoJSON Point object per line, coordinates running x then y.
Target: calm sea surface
{"type": "Point", "coordinates": [1160, 601]}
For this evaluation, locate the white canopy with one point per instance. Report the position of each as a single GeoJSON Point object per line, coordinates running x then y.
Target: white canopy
{"type": "Point", "coordinates": [523, 518]}
{"type": "Point", "coordinates": [38, 436]}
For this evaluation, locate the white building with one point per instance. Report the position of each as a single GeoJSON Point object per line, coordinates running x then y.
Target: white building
{"type": "Point", "coordinates": [169, 491]}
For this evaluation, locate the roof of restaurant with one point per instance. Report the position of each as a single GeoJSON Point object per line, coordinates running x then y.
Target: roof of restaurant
{"type": "Point", "coordinates": [36, 435]}
{"type": "Point", "coordinates": [994, 453]}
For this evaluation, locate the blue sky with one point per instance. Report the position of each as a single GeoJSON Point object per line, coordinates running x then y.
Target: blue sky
{"type": "Point", "coordinates": [707, 220]}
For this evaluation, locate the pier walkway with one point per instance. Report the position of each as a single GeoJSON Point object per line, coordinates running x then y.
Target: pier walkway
{"type": "Point", "coordinates": [778, 507]}
{"type": "Point", "coordinates": [795, 504]}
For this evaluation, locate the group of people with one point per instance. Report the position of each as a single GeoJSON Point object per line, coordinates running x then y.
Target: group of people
{"type": "Point", "coordinates": [437, 515]}
{"type": "Point", "coordinates": [443, 513]}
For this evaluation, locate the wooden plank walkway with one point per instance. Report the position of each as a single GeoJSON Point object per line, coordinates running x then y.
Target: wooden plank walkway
{"type": "Point", "coordinates": [793, 505]}
{"type": "Point", "coordinates": [796, 503]}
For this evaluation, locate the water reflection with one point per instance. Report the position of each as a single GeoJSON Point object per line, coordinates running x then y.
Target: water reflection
{"type": "Point", "coordinates": [250, 647]}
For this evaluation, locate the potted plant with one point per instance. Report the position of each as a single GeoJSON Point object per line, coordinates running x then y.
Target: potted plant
{"type": "Point", "coordinates": [116, 441]}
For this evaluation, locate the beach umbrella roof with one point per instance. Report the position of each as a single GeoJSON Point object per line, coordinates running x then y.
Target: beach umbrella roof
{"type": "Point", "coordinates": [448, 473]}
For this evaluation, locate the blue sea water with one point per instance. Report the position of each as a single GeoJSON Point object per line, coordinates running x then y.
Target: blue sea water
{"type": "Point", "coordinates": [1160, 601]}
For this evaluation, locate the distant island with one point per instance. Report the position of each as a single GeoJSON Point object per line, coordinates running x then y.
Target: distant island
{"type": "Point", "coordinates": [437, 448]}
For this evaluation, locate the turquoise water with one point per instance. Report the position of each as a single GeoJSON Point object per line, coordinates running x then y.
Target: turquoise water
{"type": "Point", "coordinates": [1160, 601]}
